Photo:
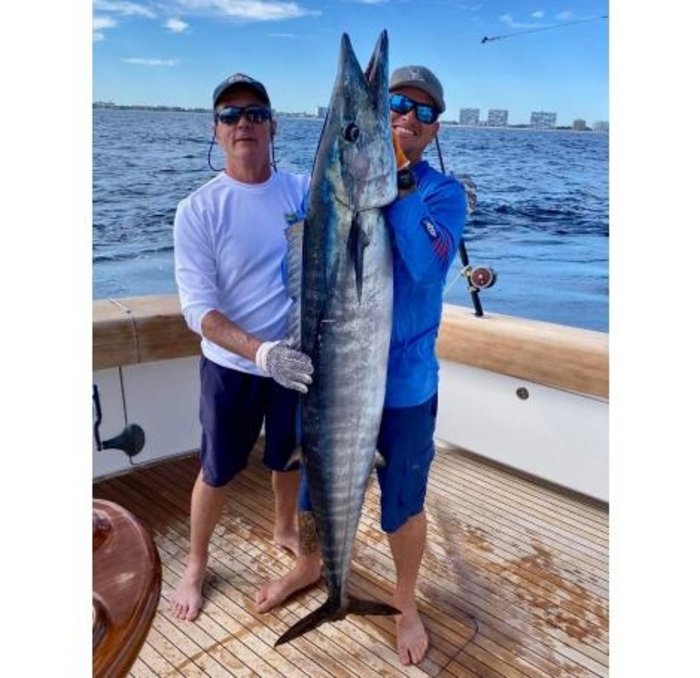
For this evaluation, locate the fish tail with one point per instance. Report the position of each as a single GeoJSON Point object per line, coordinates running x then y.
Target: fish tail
{"type": "Point", "coordinates": [327, 612]}
{"type": "Point", "coordinates": [365, 607]}
{"type": "Point", "coordinates": [331, 610]}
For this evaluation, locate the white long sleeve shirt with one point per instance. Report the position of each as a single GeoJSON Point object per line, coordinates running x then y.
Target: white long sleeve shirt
{"type": "Point", "coordinates": [230, 244]}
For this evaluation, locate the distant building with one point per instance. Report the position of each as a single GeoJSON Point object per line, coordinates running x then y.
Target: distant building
{"type": "Point", "coordinates": [601, 126]}
{"type": "Point", "coordinates": [579, 125]}
{"type": "Point", "coordinates": [469, 116]}
{"type": "Point", "coordinates": [321, 111]}
{"type": "Point", "coordinates": [497, 117]}
{"type": "Point", "coordinates": [543, 120]}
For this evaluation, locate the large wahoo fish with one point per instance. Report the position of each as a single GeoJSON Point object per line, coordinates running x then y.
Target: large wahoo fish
{"type": "Point", "coordinates": [346, 299]}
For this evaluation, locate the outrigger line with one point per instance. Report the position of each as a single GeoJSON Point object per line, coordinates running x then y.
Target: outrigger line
{"type": "Point", "coordinates": [543, 28]}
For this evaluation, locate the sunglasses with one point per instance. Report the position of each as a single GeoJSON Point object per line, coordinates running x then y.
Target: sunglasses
{"type": "Point", "coordinates": [400, 103]}
{"type": "Point", "coordinates": [232, 114]}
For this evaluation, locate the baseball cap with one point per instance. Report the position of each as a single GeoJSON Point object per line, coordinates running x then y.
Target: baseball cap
{"type": "Point", "coordinates": [240, 80]}
{"type": "Point", "coordinates": [421, 78]}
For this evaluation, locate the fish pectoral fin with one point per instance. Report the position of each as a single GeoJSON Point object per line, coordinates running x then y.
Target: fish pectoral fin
{"type": "Point", "coordinates": [379, 461]}
{"type": "Point", "coordinates": [371, 607]}
{"type": "Point", "coordinates": [357, 242]}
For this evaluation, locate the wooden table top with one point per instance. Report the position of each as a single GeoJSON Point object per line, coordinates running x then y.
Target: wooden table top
{"type": "Point", "coordinates": [126, 581]}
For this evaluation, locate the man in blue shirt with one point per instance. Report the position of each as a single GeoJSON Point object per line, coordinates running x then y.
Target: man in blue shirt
{"type": "Point", "coordinates": [426, 221]}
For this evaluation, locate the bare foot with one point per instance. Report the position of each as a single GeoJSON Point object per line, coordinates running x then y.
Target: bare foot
{"type": "Point", "coordinates": [186, 601]}
{"type": "Point", "coordinates": [276, 592]}
{"type": "Point", "coordinates": [411, 636]}
{"type": "Point", "coordinates": [288, 540]}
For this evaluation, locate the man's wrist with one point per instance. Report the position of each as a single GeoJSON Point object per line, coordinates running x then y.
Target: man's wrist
{"type": "Point", "coordinates": [261, 354]}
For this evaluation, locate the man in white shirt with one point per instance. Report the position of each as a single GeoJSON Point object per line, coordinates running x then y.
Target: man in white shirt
{"type": "Point", "coordinates": [230, 245]}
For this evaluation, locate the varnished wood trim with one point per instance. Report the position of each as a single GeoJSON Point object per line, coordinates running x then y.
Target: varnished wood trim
{"type": "Point", "coordinates": [569, 358]}
{"type": "Point", "coordinates": [142, 329]}
{"type": "Point", "coordinates": [133, 330]}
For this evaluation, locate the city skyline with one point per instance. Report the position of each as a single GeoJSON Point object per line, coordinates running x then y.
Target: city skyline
{"type": "Point", "coordinates": [549, 55]}
{"type": "Point", "coordinates": [467, 116]}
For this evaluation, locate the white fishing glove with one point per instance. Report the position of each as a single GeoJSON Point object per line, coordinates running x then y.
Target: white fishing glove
{"type": "Point", "coordinates": [288, 367]}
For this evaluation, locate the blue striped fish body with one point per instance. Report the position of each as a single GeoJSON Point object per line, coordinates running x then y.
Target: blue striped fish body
{"type": "Point", "coordinates": [346, 311]}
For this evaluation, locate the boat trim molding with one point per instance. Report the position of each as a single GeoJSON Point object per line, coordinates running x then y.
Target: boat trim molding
{"type": "Point", "coordinates": [133, 330]}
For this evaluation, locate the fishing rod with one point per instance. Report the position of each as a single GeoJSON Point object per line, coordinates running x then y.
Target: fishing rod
{"type": "Point", "coordinates": [478, 278]}
{"type": "Point", "coordinates": [542, 28]}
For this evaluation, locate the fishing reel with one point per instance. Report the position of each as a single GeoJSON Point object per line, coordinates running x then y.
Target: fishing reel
{"type": "Point", "coordinates": [478, 278]}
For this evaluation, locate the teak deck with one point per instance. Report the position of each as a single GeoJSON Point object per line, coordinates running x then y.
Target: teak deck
{"type": "Point", "coordinates": [514, 580]}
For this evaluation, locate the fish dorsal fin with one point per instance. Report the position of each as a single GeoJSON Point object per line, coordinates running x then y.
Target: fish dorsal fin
{"type": "Point", "coordinates": [295, 243]}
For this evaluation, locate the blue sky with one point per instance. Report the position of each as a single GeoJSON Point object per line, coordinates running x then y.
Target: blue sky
{"type": "Point", "coordinates": [174, 52]}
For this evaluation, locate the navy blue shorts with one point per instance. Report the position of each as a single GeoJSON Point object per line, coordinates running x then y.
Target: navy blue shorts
{"type": "Point", "coordinates": [232, 408]}
{"type": "Point", "coordinates": [406, 443]}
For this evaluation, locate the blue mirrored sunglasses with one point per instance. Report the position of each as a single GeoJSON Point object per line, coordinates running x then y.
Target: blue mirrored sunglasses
{"type": "Point", "coordinates": [232, 114]}
{"type": "Point", "coordinates": [400, 103]}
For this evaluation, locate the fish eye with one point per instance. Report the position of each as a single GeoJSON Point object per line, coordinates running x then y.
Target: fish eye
{"type": "Point", "coordinates": [351, 132]}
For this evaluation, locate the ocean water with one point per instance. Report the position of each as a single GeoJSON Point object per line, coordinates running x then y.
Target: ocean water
{"type": "Point", "coordinates": [541, 219]}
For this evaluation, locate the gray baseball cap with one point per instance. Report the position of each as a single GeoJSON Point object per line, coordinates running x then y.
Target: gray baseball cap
{"type": "Point", "coordinates": [240, 80]}
{"type": "Point", "coordinates": [421, 78]}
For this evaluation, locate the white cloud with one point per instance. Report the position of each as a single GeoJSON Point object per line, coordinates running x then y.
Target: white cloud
{"type": "Point", "coordinates": [152, 62]}
{"type": "Point", "coordinates": [122, 9]}
{"type": "Point", "coordinates": [508, 20]}
{"type": "Point", "coordinates": [566, 14]}
{"type": "Point", "coordinates": [176, 25]}
{"type": "Point", "coordinates": [537, 15]}
{"type": "Point", "coordinates": [99, 23]}
{"type": "Point", "coordinates": [125, 8]}
{"type": "Point", "coordinates": [281, 35]}
{"type": "Point", "coordinates": [247, 10]}
{"type": "Point", "coordinates": [238, 10]}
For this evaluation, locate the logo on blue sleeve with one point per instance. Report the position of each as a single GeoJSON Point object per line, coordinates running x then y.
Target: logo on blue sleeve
{"type": "Point", "coordinates": [430, 229]}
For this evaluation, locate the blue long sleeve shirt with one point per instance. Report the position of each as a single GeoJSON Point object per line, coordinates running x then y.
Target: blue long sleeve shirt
{"type": "Point", "coordinates": [426, 226]}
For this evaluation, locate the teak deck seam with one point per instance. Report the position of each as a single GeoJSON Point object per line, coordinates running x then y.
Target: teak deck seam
{"type": "Point", "coordinates": [540, 613]}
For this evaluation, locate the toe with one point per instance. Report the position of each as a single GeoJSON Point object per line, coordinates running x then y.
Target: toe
{"type": "Point", "coordinates": [404, 656]}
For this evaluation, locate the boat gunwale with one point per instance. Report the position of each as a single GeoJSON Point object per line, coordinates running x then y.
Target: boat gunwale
{"type": "Point", "coordinates": [134, 330]}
